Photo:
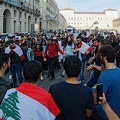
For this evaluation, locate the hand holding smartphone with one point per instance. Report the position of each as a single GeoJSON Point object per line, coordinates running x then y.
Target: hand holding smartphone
{"type": "Point", "coordinates": [99, 91]}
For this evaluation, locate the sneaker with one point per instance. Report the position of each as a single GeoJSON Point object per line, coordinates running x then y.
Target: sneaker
{"type": "Point", "coordinates": [52, 78]}
{"type": "Point", "coordinates": [41, 77]}
{"type": "Point", "coordinates": [48, 76]}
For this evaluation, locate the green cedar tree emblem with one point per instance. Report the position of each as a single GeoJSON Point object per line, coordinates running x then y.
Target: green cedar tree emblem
{"type": "Point", "coordinates": [9, 107]}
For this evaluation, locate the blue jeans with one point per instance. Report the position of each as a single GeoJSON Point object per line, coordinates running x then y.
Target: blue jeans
{"type": "Point", "coordinates": [51, 64]}
{"type": "Point", "coordinates": [93, 80]}
{"type": "Point", "coordinates": [16, 68]}
{"type": "Point", "coordinates": [82, 71]}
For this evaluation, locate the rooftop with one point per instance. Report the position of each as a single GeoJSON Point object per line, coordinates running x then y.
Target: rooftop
{"type": "Point", "coordinates": [110, 9]}
{"type": "Point", "coordinates": [89, 13]}
{"type": "Point", "coordinates": [67, 8]}
{"type": "Point", "coordinates": [116, 19]}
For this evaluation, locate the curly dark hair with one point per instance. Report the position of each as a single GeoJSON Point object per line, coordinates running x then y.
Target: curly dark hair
{"type": "Point", "coordinates": [72, 66]}
{"type": "Point", "coordinates": [32, 70]}
{"type": "Point", "coordinates": [109, 52]}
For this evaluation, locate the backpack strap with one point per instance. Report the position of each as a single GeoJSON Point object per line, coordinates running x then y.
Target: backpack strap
{"type": "Point", "coordinates": [55, 46]}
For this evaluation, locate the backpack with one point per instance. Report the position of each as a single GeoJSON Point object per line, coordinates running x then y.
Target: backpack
{"type": "Point", "coordinates": [55, 46]}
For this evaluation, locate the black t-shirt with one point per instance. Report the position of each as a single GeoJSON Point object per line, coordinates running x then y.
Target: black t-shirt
{"type": "Point", "coordinates": [99, 63]}
{"type": "Point", "coordinates": [72, 100]}
{"type": "Point", "coordinates": [13, 58]}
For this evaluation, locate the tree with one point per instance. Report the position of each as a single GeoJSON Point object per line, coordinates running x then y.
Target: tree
{"type": "Point", "coordinates": [9, 107]}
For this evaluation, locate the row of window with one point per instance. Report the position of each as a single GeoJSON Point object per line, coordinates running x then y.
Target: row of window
{"type": "Point", "coordinates": [82, 23]}
{"type": "Point", "coordinates": [20, 14]}
{"type": "Point", "coordinates": [79, 18]}
{"type": "Point", "coordinates": [20, 27]}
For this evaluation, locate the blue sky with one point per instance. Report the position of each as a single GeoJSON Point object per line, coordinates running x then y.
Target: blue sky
{"type": "Point", "coordinates": [89, 5]}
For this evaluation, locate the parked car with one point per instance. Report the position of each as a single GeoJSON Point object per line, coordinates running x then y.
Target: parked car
{"type": "Point", "coordinates": [5, 36]}
{"type": "Point", "coordinates": [19, 34]}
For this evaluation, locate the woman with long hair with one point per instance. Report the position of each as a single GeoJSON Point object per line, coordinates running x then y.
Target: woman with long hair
{"type": "Point", "coordinates": [45, 63]}
{"type": "Point", "coordinates": [68, 49]}
{"type": "Point", "coordinates": [33, 43]}
{"type": "Point", "coordinates": [39, 54]}
{"type": "Point", "coordinates": [68, 46]}
{"type": "Point", "coordinates": [113, 41]}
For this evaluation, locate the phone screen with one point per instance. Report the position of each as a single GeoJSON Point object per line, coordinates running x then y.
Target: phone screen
{"type": "Point", "coordinates": [99, 90]}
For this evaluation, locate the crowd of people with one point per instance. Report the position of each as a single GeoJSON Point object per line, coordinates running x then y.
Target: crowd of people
{"type": "Point", "coordinates": [70, 99]}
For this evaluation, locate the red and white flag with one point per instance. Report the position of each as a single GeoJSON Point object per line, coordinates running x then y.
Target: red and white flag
{"type": "Point", "coordinates": [83, 47]}
{"type": "Point", "coordinates": [28, 102]}
{"type": "Point", "coordinates": [17, 50]}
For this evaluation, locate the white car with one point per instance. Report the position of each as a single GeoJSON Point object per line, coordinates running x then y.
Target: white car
{"type": "Point", "coordinates": [5, 36]}
{"type": "Point", "coordinates": [19, 34]}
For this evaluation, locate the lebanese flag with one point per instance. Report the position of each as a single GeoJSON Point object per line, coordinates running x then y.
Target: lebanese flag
{"type": "Point", "coordinates": [83, 47]}
{"type": "Point", "coordinates": [17, 50]}
{"type": "Point", "coordinates": [90, 41]}
{"type": "Point", "coordinates": [28, 102]}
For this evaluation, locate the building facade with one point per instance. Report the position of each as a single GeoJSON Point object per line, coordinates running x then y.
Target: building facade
{"type": "Point", "coordinates": [19, 16]}
{"type": "Point", "coordinates": [62, 22]}
{"type": "Point", "coordinates": [90, 20]}
{"type": "Point", "coordinates": [50, 15]}
{"type": "Point", "coordinates": [29, 16]}
{"type": "Point", "coordinates": [116, 24]}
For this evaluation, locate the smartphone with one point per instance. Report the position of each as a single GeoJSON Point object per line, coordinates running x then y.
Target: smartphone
{"type": "Point", "coordinates": [99, 91]}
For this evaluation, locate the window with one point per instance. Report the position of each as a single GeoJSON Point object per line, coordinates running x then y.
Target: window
{"type": "Point", "coordinates": [25, 15]}
{"type": "Point", "coordinates": [20, 14]}
{"type": "Point", "coordinates": [25, 26]}
{"type": "Point", "coordinates": [15, 13]}
{"type": "Point", "coordinates": [14, 26]}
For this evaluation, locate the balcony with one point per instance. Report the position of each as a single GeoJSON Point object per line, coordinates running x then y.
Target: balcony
{"type": "Point", "coordinates": [26, 8]}
{"type": "Point", "coordinates": [36, 12]}
{"type": "Point", "coordinates": [12, 3]}
{"type": "Point", "coordinates": [20, 4]}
